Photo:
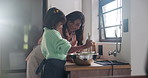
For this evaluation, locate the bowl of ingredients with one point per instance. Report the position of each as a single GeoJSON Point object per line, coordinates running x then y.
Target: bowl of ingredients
{"type": "Point", "coordinates": [83, 58]}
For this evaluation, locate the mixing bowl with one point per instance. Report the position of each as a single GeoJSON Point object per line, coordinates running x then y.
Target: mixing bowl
{"type": "Point", "coordinates": [83, 59]}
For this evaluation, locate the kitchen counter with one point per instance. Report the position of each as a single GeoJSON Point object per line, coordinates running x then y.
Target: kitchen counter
{"type": "Point", "coordinates": [96, 70]}
{"type": "Point", "coordinates": [73, 67]}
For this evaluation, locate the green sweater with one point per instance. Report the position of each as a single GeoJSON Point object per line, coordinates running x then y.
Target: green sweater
{"type": "Point", "coordinates": [53, 45]}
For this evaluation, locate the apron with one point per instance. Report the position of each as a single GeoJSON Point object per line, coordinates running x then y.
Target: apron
{"type": "Point", "coordinates": [52, 68]}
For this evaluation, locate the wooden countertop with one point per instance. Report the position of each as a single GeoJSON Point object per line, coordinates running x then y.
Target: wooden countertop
{"type": "Point", "coordinates": [93, 66]}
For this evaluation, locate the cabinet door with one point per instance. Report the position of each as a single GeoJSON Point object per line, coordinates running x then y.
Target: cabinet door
{"type": "Point", "coordinates": [66, 6]}
{"type": "Point", "coordinates": [126, 71]}
{"type": "Point", "coordinates": [90, 73]}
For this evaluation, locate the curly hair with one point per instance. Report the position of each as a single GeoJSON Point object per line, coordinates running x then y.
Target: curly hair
{"type": "Point", "coordinates": [52, 17]}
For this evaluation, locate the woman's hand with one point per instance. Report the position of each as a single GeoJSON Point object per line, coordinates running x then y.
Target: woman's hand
{"type": "Point", "coordinates": [88, 43]}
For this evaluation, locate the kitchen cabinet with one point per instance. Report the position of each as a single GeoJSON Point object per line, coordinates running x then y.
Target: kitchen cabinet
{"type": "Point", "coordinates": [121, 70]}
{"type": "Point", "coordinates": [97, 70]}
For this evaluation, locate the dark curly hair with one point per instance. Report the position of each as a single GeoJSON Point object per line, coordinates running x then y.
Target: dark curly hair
{"type": "Point", "coordinates": [52, 17]}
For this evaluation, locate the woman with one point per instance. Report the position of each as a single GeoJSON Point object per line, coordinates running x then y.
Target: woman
{"type": "Point", "coordinates": [72, 31]}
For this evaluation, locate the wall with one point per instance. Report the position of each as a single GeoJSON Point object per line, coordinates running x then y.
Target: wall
{"type": "Point", "coordinates": [135, 42]}
{"type": "Point", "coordinates": [66, 6]}
{"type": "Point", "coordinates": [125, 54]}
{"type": "Point", "coordinates": [86, 9]}
{"type": "Point", "coordinates": [14, 17]}
{"type": "Point", "coordinates": [90, 10]}
{"type": "Point", "coordinates": [139, 38]}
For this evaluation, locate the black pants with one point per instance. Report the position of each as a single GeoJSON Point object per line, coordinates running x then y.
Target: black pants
{"type": "Point", "coordinates": [54, 68]}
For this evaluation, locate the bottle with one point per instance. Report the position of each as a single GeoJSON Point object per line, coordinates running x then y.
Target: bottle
{"type": "Point", "coordinates": [88, 38]}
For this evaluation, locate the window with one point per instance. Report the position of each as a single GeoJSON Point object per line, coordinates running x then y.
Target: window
{"type": "Point", "coordinates": [110, 20]}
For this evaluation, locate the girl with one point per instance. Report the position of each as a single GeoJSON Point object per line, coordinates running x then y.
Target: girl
{"type": "Point", "coordinates": [54, 48]}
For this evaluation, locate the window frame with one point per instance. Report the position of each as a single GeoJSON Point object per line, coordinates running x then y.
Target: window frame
{"type": "Point", "coordinates": [102, 33]}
